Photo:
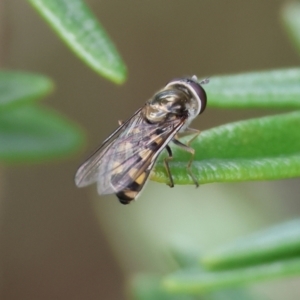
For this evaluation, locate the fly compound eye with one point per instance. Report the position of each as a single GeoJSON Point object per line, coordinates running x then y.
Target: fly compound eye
{"type": "Point", "coordinates": [200, 92]}
{"type": "Point", "coordinates": [194, 87]}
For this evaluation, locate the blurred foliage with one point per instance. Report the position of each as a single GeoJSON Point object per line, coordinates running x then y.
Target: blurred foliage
{"type": "Point", "coordinates": [149, 287]}
{"type": "Point", "coordinates": [257, 149]}
{"type": "Point", "coordinates": [276, 243]}
{"type": "Point", "coordinates": [18, 88]}
{"type": "Point", "coordinates": [291, 21]}
{"type": "Point", "coordinates": [269, 254]}
{"type": "Point", "coordinates": [28, 132]}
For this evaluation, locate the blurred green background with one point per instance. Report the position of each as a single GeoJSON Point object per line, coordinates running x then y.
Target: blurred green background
{"type": "Point", "coordinates": [52, 244]}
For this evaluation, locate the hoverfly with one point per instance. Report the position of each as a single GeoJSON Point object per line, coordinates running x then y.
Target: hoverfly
{"type": "Point", "coordinates": [122, 164]}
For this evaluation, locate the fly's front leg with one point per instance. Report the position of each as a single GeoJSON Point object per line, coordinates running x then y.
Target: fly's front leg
{"type": "Point", "coordinates": [166, 163]}
{"type": "Point", "coordinates": [187, 148]}
{"type": "Point", "coordinates": [189, 131]}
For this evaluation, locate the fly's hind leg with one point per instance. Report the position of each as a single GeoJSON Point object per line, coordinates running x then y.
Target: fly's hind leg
{"type": "Point", "coordinates": [166, 163]}
{"type": "Point", "coordinates": [187, 148]}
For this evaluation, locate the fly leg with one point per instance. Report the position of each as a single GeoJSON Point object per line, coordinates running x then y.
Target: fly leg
{"type": "Point", "coordinates": [187, 148]}
{"type": "Point", "coordinates": [166, 163]}
{"type": "Point", "coordinates": [189, 131]}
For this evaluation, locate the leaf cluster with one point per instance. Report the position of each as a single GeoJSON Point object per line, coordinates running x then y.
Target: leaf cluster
{"type": "Point", "coordinates": [257, 149]}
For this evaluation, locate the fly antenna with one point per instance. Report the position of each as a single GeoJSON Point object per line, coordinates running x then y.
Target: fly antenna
{"type": "Point", "coordinates": [205, 81]}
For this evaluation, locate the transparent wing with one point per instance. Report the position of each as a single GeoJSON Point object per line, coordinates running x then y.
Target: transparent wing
{"type": "Point", "coordinates": [126, 154]}
{"type": "Point", "coordinates": [88, 172]}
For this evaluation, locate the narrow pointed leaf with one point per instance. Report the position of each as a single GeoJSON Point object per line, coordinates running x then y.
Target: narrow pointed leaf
{"type": "Point", "coordinates": [32, 134]}
{"type": "Point", "coordinates": [19, 88]}
{"type": "Point", "coordinates": [278, 242]}
{"type": "Point", "coordinates": [291, 21]}
{"type": "Point", "coordinates": [257, 149]}
{"type": "Point", "coordinates": [149, 287]}
{"type": "Point", "coordinates": [79, 29]}
{"type": "Point", "coordinates": [186, 255]}
{"type": "Point", "coordinates": [196, 281]}
{"type": "Point", "coordinates": [265, 89]}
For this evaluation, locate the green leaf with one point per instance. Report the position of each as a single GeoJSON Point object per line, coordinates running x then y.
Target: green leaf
{"type": "Point", "coordinates": [291, 21]}
{"type": "Point", "coordinates": [268, 89]}
{"type": "Point", "coordinates": [79, 29]}
{"type": "Point", "coordinates": [278, 242]}
{"type": "Point", "coordinates": [257, 149]}
{"type": "Point", "coordinates": [197, 281]}
{"type": "Point", "coordinates": [32, 134]}
{"type": "Point", "coordinates": [19, 88]}
{"type": "Point", "coordinates": [186, 255]}
{"type": "Point", "coordinates": [149, 287]}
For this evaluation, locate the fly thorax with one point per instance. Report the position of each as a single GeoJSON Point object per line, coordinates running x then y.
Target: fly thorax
{"type": "Point", "coordinates": [167, 104]}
